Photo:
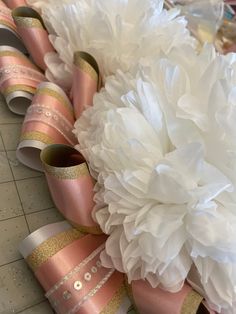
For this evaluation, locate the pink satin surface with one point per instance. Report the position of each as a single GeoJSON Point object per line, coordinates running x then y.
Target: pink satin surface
{"type": "Point", "coordinates": [45, 129]}
{"type": "Point", "coordinates": [74, 198]}
{"type": "Point", "coordinates": [15, 3]}
{"type": "Point", "coordinates": [37, 43]}
{"type": "Point", "coordinates": [2, 4]}
{"type": "Point", "coordinates": [55, 104]}
{"type": "Point", "coordinates": [83, 90]}
{"type": "Point", "coordinates": [5, 16]}
{"type": "Point", "coordinates": [59, 265]}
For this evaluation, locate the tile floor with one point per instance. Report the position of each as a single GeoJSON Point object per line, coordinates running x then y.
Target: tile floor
{"type": "Point", "coordinates": [25, 205]}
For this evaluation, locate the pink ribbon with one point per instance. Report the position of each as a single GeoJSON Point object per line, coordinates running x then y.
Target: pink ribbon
{"type": "Point", "coordinates": [31, 28]}
{"type": "Point", "coordinates": [71, 185]}
{"type": "Point", "coordinates": [85, 81]}
{"type": "Point", "coordinates": [19, 79]}
{"type": "Point", "coordinates": [12, 4]}
{"type": "Point", "coordinates": [48, 120]}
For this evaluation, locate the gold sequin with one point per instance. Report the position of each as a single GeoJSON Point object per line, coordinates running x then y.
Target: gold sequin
{"type": "Point", "coordinates": [18, 87]}
{"type": "Point", "coordinates": [36, 136]}
{"type": "Point", "coordinates": [51, 246]}
{"type": "Point", "coordinates": [191, 303]}
{"type": "Point", "coordinates": [114, 304]}
{"type": "Point", "coordinates": [52, 93]}
{"type": "Point", "coordinates": [69, 173]}
{"type": "Point", "coordinates": [87, 64]}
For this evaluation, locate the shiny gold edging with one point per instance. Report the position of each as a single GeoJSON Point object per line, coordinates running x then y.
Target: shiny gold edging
{"type": "Point", "coordinates": [114, 304]}
{"type": "Point", "coordinates": [51, 246]}
{"type": "Point", "coordinates": [18, 87]}
{"type": "Point", "coordinates": [52, 93]}
{"type": "Point", "coordinates": [84, 229]}
{"type": "Point", "coordinates": [70, 173]}
{"type": "Point", "coordinates": [36, 136]}
{"type": "Point", "coordinates": [28, 22]}
{"type": "Point", "coordinates": [129, 292]}
{"type": "Point", "coordinates": [87, 64]}
{"type": "Point", "coordinates": [191, 303]}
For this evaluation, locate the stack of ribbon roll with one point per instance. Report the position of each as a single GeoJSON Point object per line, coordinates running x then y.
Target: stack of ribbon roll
{"type": "Point", "coordinates": [65, 257]}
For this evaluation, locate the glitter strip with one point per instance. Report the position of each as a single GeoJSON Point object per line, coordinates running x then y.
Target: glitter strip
{"type": "Point", "coordinates": [191, 303]}
{"type": "Point", "coordinates": [114, 304]}
{"type": "Point", "coordinates": [92, 293]}
{"type": "Point", "coordinates": [51, 246]}
{"type": "Point", "coordinates": [76, 270]}
{"type": "Point", "coordinates": [36, 136]}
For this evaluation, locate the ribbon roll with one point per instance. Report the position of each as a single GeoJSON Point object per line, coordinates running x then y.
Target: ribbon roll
{"type": "Point", "coordinates": [187, 301]}
{"type": "Point", "coordinates": [71, 185]}
{"type": "Point", "coordinates": [67, 264]}
{"type": "Point", "coordinates": [12, 4]}
{"type": "Point", "coordinates": [8, 31]}
{"type": "Point", "coordinates": [18, 79]}
{"type": "Point", "coordinates": [86, 81]}
{"type": "Point", "coordinates": [48, 120]}
{"type": "Point", "coordinates": [31, 28]}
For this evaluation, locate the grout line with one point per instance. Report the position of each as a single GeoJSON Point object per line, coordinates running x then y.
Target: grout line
{"type": "Point", "coordinates": [17, 190]}
{"type": "Point", "coordinates": [9, 263]}
{"type": "Point", "coordinates": [14, 217]}
{"type": "Point", "coordinates": [29, 307]}
{"type": "Point", "coordinates": [37, 177]}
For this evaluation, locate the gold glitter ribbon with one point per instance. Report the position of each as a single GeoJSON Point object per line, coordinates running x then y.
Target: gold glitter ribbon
{"type": "Point", "coordinates": [115, 303]}
{"type": "Point", "coordinates": [51, 246]}
{"type": "Point", "coordinates": [27, 17]}
{"type": "Point", "coordinates": [191, 303]}
{"type": "Point", "coordinates": [87, 64]}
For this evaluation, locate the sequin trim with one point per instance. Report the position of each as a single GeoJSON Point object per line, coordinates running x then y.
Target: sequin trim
{"type": "Point", "coordinates": [53, 118]}
{"type": "Point", "coordinates": [75, 271]}
{"type": "Point", "coordinates": [191, 303]}
{"type": "Point", "coordinates": [92, 293]}
{"type": "Point", "coordinates": [8, 24]}
{"type": "Point", "coordinates": [51, 246]}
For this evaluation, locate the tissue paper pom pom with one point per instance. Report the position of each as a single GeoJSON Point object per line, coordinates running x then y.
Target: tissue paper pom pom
{"type": "Point", "coordinates": [161, 142]}
{"type": "Point", "coordinates": [117, 33]}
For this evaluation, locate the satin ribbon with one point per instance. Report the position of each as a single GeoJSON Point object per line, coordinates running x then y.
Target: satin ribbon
{"type": "Point", "coordinates": [67, 175]}
{"type": "Point", "coordinates": [48, 120]}
{"type": "Point", "coordinates": [31, 28]}
{"type": "Point", "coordinates": [12, 4]}
{"type": "Point", "coordinates": [86, 81]}
{"type": "Point", "coordinates": [8, 31]}
{"type": "Point", "coordinates": [67, 264]}
{"type": "Point", "coordinates": [71, 185]}
{"type": "Point", "coordinates": [18, 79]}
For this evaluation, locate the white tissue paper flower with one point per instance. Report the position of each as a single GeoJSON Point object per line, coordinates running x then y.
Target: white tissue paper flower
{"type": "Point", "coordinates": [117, 33]}
{"type": "Point", "coordinates": [161, 142]}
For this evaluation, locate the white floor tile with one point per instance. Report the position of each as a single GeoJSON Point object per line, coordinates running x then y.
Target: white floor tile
{"type": "Point", "coordinates": [42, 308]}
{"type": "Point", "coordinates": [10, 205]}
{"type": "Point", "coordinates": [10, 135]}
{"type": "Point", "coordinates": [18, 288]}
{"type": "Point", "coordinates": [45, 217]}
{"type": "Point", "coordinates": [5, 170]}
{"type": "Point", "coordinates": [34, 194]}
{"type": "Point", "coordinates": [20, 171]}
{"type": "Point", "coordinates": [13, 231]}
